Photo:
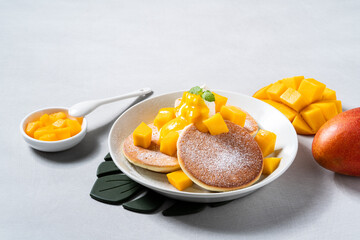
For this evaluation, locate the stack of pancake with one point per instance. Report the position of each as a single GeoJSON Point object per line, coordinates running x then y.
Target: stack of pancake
{"type": "Point", "coordinates": [223, 162]}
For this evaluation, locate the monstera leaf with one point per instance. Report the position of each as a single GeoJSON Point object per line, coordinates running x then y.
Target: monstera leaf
{"type": "Point", "coordinates": [114, 187]}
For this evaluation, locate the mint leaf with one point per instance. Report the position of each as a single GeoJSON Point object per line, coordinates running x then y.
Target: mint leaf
{"type": "Point", "coordinates": [196, 90]}
{"type": "Point", "coordinates": [208, 96]}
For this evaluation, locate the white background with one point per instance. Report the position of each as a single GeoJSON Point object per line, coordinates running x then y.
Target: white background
{"type": "Point", "coordinates": [57, 53]}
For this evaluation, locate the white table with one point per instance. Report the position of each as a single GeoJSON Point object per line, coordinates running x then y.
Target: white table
{"type": "Point", "coordinates": [57, 53]}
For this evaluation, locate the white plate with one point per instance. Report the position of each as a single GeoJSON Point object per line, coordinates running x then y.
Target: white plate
{"type": "Point", "coordinates": [267, 117]}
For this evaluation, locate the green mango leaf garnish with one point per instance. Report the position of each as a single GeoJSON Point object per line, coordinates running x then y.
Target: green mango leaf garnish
{"type": "Point", "coordinates": [196, 90]}
{"type": "Point", "coordinates": [206, 95]}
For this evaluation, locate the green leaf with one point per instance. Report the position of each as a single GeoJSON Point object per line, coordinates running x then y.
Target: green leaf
{"type": "Point", "coordinates": [108, 157]}
{"type": "Point", "coordinates": [149, 203]}
{"type": "Point", "coordinates": [208, 96]}
{"type": "Point", "coordinates": [114, 189]}
{"type": "Point", "coordinates": [196, 90]}
{"type": "Point", "coordinates": [184, 208]}
{"type": "Point", "coordinates": [107, 168]}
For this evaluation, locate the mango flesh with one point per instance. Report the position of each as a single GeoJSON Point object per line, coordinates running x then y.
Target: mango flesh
{"type": "Point", "coordinates": [220, 101]}
{"type": "Point", "coordinates": [266, 141]}
{"type": "Point", "coordinates": [53, 127]}
{"type": "Point", "coordinates": [233, 114]}
{"type": "Point", "coordinates": [142, 135]}
{"type": "Point", "coordinates": [307, 103]}
{"type": "Point", "coordinates": [179, 180]}
{"type": "Point", "coordinates": [168, 143]}
{"type": "Point", "coordinates": [336, 146]}
{"type": "Point", "coordinates": [164, 116]}
{"type": "Point", "coordinates": [270, 165]}
{"type": "Point", "coordinates": [216, 124]}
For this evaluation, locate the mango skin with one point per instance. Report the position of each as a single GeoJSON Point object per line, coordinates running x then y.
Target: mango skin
{"type": "Point", "coordinates": [336, 146]}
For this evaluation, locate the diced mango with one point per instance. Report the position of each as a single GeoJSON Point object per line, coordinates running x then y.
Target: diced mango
{"type": "Point", "coordinates": [261, 94]}
{"type": "Point", "coordinates": [74, 126]}
{"type": "Point", "coordinates": [216, 124]}
{"type": "Point", "coordinates": [175, 124]}
{"type": "Point", "coordinates": [179, 180]}
{"type": "Point", "coordinates": [328, 109]}
{"type": "Point", "coordinates": [142, 135]}
{"type": "Point", "coordinates": [168, 143]}
{"type": "Point", "coordinates": [201, 127]}
{"type": "Point", "coordinates": [288, 112]}
{"type": "Point", "coordinates": [270, 165]}
{"type": "Point", "coordinates": [311, 89]}
{"type": "Point", "coordinates": [293, 99]}
{"type": "Point", "coordinates": [314, 117]}
{"type": "Point", "coordinates": [329, 94]}
{"type": "Point", "coordinates": [266, 141]}
{"type": "Point", "coordinates": [274, 92]}
{"type": "Point", "coordinates": [42, 131]}
{"type": "Point", "coordinates": [337, 103]}
{"type": "Point", "coordinates": [233, 114]}
{"type": "Point", "coordinates": [32, 127]}
{"type": "Point", "coordinates": [45, 120]}
{"type": "Point", "coordinates": [292, 82]}
{"type": "Point", "coordinates": [58, 115]}
{"type": "Point", "coordinates": [301, 126]}
{"type": "Point", "coordinates": [48, 137]}
{"type": "Point", "coordinates": [62, 133]}
{"type": "Point", "coordinates": [59, 123]}
{"type": "Point", "coordinates": [164, 116]}
{"type": "Point", "coordinates": [219, 101]}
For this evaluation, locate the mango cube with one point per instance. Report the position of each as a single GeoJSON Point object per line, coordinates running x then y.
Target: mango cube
{"type": "Point", "coordinates": [314, 117]}
{"type": "Point", "coordinates": [329, 94]}
{"type": "Point", "coordinates": [168, 143]}
{"type": "Point", "coordinates": [292, 82]}
{"type": "Point", "coordinates": [233, 114]}
{"type": "Point", "coordinates": [45, 120]}
{"type": "Point", "coordinates": [311, 89]}
{"type": "Point", "coordinates": [328, 109]}
{"type": "Point", "coordinates": [74, 126]}
{"type": "Point", "coordinates": [179, 180]}
{"type": "Point", "coordinates": [48, 137]}
{"type": "Point", "coordinates": [58, 115]}
{"type": "Point", "coordinates": [142, 135]}
{"type": "Point", "coordinates": [274, 92]}
{"type": "Point", "coordinates": [288, 112]}
{"type": "Point", "coordinates": [261, 94]}
{"type": "Point", "coordinates": [216, 124]}
{"type": "Point", "coordinates": [59, 123]}
{"type": "Point", "coordinates": [266, 141]}
{"type": "Point", "coordinates": [32, 127]}
{"type": "Point", "coordinates": [301, 126]}
{"type": "Point", "coordinates": [164, 115]}
{"type": "Point", "coordinates": [293, 99]}
{"type": "Point", "coordinates": [201, 126]}
{"type": "Point", "coordinates": [62, 133]}
{"type": "Point", "coordinates": [270, 165]}
{"type": "Point", "coordinates": [43, 131]}
{"type": "Point", "coordinates": [219, 101]}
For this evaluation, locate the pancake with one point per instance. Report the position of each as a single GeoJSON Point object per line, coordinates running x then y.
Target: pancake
{"type": "Point", "coordinates": [223, 162]}
{"type": "Point", "coordinates": [149, 158]}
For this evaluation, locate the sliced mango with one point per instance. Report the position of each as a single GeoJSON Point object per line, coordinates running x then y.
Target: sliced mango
{"type": "Point", "coordinates": [293, 99]}
{"type": "Point", "coordinates": [314, 117]}
{"type": "Point", "coordinates": [301, 126]}
{"type": "Point", "coordinates": [261, 94]}
{"type": "Point", "coordinates": [311, 89]}
{"type": "Point", "coordinates": [219, 101]}
{"type": "Point", "coordinates": [292, 82]}
{"type": "Point", "coordinates": [266, 141]}
{"type": "Point", "coordinates": [164, 116]}
{"type": "Point", "coordinates": [168, 143]}
{"type": "Point", "coordinates": [32, 127]}
{"type": "Point", "coordinates": [179, 180]}
{"type": "Point", "coordinates": [216, 124]}
{"type": "Point", "coordinates": [270, 165]}
{"type": "Point", "coordinates": [233, 114]}
{"type": "Point", "coordinates": [328, 94]}
{"type": "Point", "coordinates": [142, 135]}
{"type": "Point", "coordinates": [288, 112]}
{"type": "Point", "coordinates": [275, 91]}
{"type": "Point", "coordinates": [328, 109]}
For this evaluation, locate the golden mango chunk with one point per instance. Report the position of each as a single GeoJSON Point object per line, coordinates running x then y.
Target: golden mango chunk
{"type": "Point", "coordinates": [233, 114]}
{"type": "Point", "coordinates": [261, 94]}
{"type": "Point", "coordinates": [311, 89]}
{"type": "Point", "coordinates": [179, 180]}
{"type": "Point", "coordinates": [216, 124]}
{"type": "Point", "coordinates": [292, 82]}
{"type": "Point", "coordinates": [288, 112]}
{"type": "Point", "coordinates": [142, 135]}
{"type": "Point", "coordinates": [293, 99]}
{"type": "Point", "coordinates": [266, 141]}
{"type": "Point", "coordinates": [43, 131]}
{"type": "Point", "coordinates": [59, 123]}
{"type": "Point", "coordinates": [175, 124]}
{"type": "Point", "coordinates": [301, 126]}
{"type": "Point", "coordinates": [62, 133]}
{"type": "Point", "coordinates": [270, 165]}
{"type": "Point", "coordinates": [56, 116]}
{"type": "Point", "coordinates": [337, 103]}
{"type": "Point", "coordinates": [164, 116]}
{"type": "Point", "coordinates": [328, 109]}
{"type": "Point", "coordinates": [74, 126]}
{"type": "Point", "coordinates": [219, 101]}
{"type": "Point", "coordinates": [201, 126]}
{"type": "Point", "coordinates": [45, 120]}
{"type": "Point", "coordinates": [48, 137]}
{"type": "Point", "coordinates": [168, 143]}
{"type": "Point", "coordinates": [274, 92]}
{"type": "Point", "coordinates": [328, 94]}
{"type": "Point", "coordinates": [313, 117]}
{"type": "Point", "coordinates": [32, 127]}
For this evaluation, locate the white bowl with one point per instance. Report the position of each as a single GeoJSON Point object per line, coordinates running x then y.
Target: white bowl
{"type": "Point", "coordinates": [51, 146]}
{"type": "Point", "coordinates": [267, 117]}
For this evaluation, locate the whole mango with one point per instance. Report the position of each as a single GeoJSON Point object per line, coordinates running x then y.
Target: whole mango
{"type": "Point", "coordinates": [336, 146]}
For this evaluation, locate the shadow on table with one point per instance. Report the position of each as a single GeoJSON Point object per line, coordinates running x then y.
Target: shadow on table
{"type": "Point", "coordinates": [348, 183]}
{"type": "Point", "coordinates": [89, 144]}
{"type": "Point", "coordinates": [299, 193]}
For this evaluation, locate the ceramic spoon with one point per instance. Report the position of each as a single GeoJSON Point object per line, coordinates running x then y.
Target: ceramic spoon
{"type": "Point", "coordinates": [84, 108]}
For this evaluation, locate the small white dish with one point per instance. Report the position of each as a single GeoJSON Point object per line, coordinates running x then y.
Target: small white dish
{"type": "Point", "coordinates": [266, 116]}
{"type": "Point", "coordinates": [51, 146]}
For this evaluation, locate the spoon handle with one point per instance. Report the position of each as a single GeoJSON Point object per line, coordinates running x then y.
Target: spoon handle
{"type": "Point", "coordinates": [83, 108]}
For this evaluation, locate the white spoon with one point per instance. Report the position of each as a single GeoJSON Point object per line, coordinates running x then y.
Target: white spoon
{"type": "Point", "coordinates": [84, 108]}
